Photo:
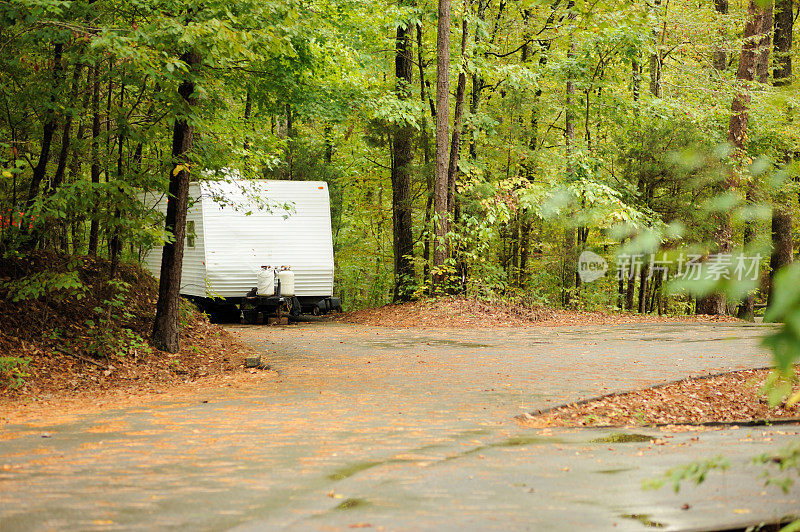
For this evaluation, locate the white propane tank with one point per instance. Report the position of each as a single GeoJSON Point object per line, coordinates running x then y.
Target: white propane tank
{"type": "Point", "coordinates": [286, 277]}
{"type": "Point", "coordinates": [266, 281]}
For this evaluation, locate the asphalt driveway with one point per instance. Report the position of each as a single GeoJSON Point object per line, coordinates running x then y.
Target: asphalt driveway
{"type": "Point", "coordinates": [402, 429]}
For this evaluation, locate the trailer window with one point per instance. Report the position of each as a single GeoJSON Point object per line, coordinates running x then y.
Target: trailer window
{"type": "Point", "coordinates": [190, 233]}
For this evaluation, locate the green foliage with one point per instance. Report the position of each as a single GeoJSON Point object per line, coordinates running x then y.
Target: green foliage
{"type": "Point", "coordinates": [694, 472]}
{"type": "Point", "coordinates": [787, 463]}
{"type": "Point", "coordinates": [12, 370]}
{"type": "Point", "coordinates": [44, 284]}
{"type": "Point", "coordinates": [104, 340]}
{"type": "Point", "coordinates": [104, 337]}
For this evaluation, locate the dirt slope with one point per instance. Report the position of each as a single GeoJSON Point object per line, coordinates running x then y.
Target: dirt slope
{"type": "Point", "coordinates": [72, 340]}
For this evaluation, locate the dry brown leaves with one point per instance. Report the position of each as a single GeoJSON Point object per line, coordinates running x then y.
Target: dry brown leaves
{"type": "Point", "coordinates": [459, 312]}
{"type": "Point", "coordinates": [732, 397]}
{"type": "Point", "coordinates": [53, 332]}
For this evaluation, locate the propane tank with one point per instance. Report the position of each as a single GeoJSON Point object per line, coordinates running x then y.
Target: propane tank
{"type": "Point", "coordinates": [266, 281]}
{"type": "Point", "coordinates": [286, 277]}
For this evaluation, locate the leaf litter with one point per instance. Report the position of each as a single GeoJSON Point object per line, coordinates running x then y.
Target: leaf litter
{"type": "Point", "coordinates": [70, 341]}
{"type": "Point", "coordinates": [734, 397]}
{"type": "Point", "coordinates": [461, 311]}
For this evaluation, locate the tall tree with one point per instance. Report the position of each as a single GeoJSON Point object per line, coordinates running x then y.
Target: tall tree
{"type": "Point", "coordinates": [402, 158]}
{"type": "Point", "coordinates": [715, 303]}
{"type": "Point", "coordinates": [94, 226]}
{"type": "Point", "coordinates": [746, 309]}
{"type": "Point", "coordinates": [455, 145]}
{"type": "Point", "coordinates": [49, 127]}
{"type": "Point", "coordinates": [782, 220]}
{"type": "Point", "coordinates": [166, 329]}
{"type": "Point", "coordinates": [656, 57]}
{"type": "Point", "coordinates": [784, 23]}
{"type": "Point", "coordinates": [720, 54]}
{"type": "Point", "coordinates": [570, 270]}
{"type": "Point", "coordinates": [442, 141]}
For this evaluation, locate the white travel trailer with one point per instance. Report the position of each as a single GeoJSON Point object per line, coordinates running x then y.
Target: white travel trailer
{"type": "Point", "coordinates": [236, 228]}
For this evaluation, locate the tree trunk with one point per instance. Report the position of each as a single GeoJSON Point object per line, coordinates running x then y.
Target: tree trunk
{"type": "Point", "coordinates": [77, 160]}
{"type": "Point", "coordinates": [643, 285]}
{"type": "Point", "coordinates": [656, 59]}
{"type": "Point", "coordinates": [715, 304]}
{"type": "Point", "coordinates": [570, 264]}
{"type": "Point", "coordinates": [782, 243]}
{"type": "Point", "coordinates": [336, 190]}
{"type": "Point", "coordinates": [764, 44]}
{"type": "Point", "coordinates": [115, 243]}
{"type": "Point", "coordinates": [49, 128]}
{"type": "Point", "coordinates": [569, 268]}
{"type": "Point", "coordinates": [94, 228]}
{"type": "Point", "coordinates": [402, 157]}
{"type": "Point", "coordinates": [746, 309]}
{"type": "Point", "coordinates": [248, 109]}
{"type": "Point", "coordinates": [630, 290]}
{"type": "Point", "coordinates": [58, 177]}
{"type": "Point", "coordinates": [476, 83]}
{"type": "Point", "coordinates": [720, 55]}
{"type": "Point", "coordinates": [784, 23]}
{"type": "Point", "coordinates": [455, 144]}
{"type": "Point", "coordinates": [782, 237]}
{"type": "Point", "coordinates": [442, 139]}
{"type": "Point", "coordinates": [426, 157]}
{"type": "Point", "coordinates": [166, 329]}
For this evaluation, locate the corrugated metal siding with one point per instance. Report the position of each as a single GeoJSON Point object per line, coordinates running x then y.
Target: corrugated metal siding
{"type": "Point", "coordinates": [193, 273]}
{"type": "Point", "coordinates": [237, 244]}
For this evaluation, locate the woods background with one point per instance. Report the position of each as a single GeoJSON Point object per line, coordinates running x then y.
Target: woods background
{"type": "Point", "coordinates": [562, 126]}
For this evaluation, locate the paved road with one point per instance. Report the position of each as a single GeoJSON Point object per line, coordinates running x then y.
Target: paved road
{"type": "Point", "coordinates": [402, 429]}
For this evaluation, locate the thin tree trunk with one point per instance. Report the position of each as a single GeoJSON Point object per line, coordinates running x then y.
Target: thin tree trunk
{"type": "Point", "coordinates": [630, 291]}
{"type": "Point", "coordinates": [77, 160]}
{"type": "Point", "coordinates": [166, 329]}
{"type": "Point", "coordinates": [455, 144]}
{"type": "Point", "coordinates": [442, 139]}
{"type": "Point", "coordinates": [656, 59]}
{"type": "Point", "coordinates": [570, 261]}
{"type": "Point", "coordinates": [58, 177]}
{"type": "Point", "coordinates": [402, 158]}
{"type": "Point", "coordinates": [115, 243]}
{"type": "Point", "coordinates": [568, 272]}
{"type": "Point", "coordinates": [49, 128]}
{"type": "Point", "coordinates": [621, 284]}
{"type": "Point", "coordinates": [746, 309]}
{"type": "Point", "coordinates": [720, 55]}
{"type": "Point", "coordinates": [782, 244]}
{"type": "Point", "coordinates": [336, 190]}
{"type": "Point", "coordinates": [94, 228]}
{"type": "Point", "coordinates": [764, 44]}
{"type": "Point", "coordinates": [782, 237]}
{"type": "Point", "coordinates": [248, 109]}
{"type": "Point", "coordinates": [784, 23]}
{"type": "Point", "coordinates": [426, 155]}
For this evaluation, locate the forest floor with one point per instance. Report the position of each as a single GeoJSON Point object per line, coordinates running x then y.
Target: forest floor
{"type": "Point", "coordinates": [83, 343]}
{"type": "Point", "coordinates": [735, 397]}
{"type": "Point", "coordinates": [458, 311]}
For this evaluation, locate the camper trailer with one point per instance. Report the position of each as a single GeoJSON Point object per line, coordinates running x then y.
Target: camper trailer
{"type": "Point", "coordinates": [255, 247]}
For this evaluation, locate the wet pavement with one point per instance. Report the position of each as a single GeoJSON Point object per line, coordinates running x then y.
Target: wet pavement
{"type": "Point", "coordinates": [403, 429]}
